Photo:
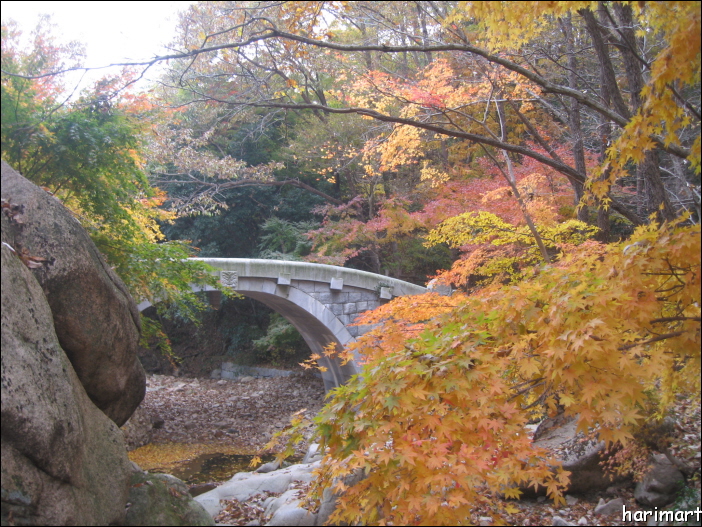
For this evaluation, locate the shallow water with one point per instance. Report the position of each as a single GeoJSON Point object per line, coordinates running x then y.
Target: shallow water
{"type": "Point", "coordinates": [201, 466]}
{"type": "Point", "coordinates": [200, 472]}
{"type": "Point", "coordinates": [213, 467]}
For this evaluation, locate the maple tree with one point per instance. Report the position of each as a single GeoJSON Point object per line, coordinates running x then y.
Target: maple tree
{"type": "Point", "coordinates": [434, 117]}
{"type": "Point", "coordinates": [445, 381]}
{"type": "Point", "coordinates": [401, 226]}
{"type": "Point", "coordinates": [491, 106]}
{"type": "Point", "coordinates": [425, 422]}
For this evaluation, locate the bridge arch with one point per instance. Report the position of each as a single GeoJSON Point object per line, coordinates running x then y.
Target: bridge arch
{"type": "Point", "coordinates": [321, 301]}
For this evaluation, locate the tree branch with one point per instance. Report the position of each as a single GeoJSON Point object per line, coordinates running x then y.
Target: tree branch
{"type": "Point", "coordinates": [272, 33]}
{"type": "Point", "coordinates": [650, 341]}
{"type": "Point", "coordinates": [564, 169]}
{"type": "Point", "coordinates": [255, 183]}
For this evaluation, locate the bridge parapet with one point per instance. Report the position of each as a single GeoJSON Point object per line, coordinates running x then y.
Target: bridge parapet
{"type": "Point", "coordinates": [335, 277]}
{"type": "Point", "coordinates": [345, 292]}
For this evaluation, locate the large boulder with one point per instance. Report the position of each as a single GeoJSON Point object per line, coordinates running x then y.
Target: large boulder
{"type": "Point", "coordinates": [580, 456]}
{"type": "Point", "coordinates": [661, 484]}
{"type": "Point", "coordinates": [161, 499]}
{"type": "Point", "coordinates": [95, 318]}
{"type": "Point", "coordinates": [63, 460]}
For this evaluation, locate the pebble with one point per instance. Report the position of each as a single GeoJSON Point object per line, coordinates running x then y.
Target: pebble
{"type": "Point", "coordinates": [610, 507]}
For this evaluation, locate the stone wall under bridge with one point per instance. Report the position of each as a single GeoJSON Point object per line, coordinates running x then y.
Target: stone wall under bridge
{"type": "Point", "coordinates": [321, 301]}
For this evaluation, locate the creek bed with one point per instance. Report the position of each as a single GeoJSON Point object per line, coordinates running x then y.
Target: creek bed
{"type": "Point", "coordinates": [202, 466]}
{"type": "Point", "coordinates": [201, 472]}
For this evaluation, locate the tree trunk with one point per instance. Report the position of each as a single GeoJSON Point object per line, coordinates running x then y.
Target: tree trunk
{"type": "Point", "coordinates": [574, 119]}
{"type": "Point", "coordinates": [607, 76]}
{"type": "Point", "coordinates": [605, 125]}
{"type": "Point", "coordinates": [512, 180]}
{"type": "Point", "coordinates": [652, 196]}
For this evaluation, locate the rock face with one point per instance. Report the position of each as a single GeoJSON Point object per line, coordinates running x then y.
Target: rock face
{"type": "Point", "coordinates": [63, 460]}
{"type": "Point", "coordinates": [95, 318]}
{"type": "Point", "coordinates": [70, 376]}
{"type": "Point", "coordinates": [139, 429]}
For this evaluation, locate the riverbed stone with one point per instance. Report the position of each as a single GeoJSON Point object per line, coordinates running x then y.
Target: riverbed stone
{"type": "Point", "coordinates": [291, 514]}
{"type": "Point", "coordinates": [610, 507]}
{"type": "Point", "coordinates": [313, 454]}
{"type": "Point", "coordinates": [274, 504]}
{"type": "Point", "coordinates": [286, 509]}
{"type": "Point", "coordinates": [268, 467]}
{"type": "Point", "coordinates": [330, 499]}
{"type": "Point", "coordinates": [244, 485]}
{"type": "Point", "coordinates": [162, 499]}
{"type": "Point", "coordinates": [581, 457]}
{"type": "Point", "coordinates": [241, 487]}
{"type": "Point", "coordinates": [327, 506]}
{"type": "Point", "coordinates": [661, 483]}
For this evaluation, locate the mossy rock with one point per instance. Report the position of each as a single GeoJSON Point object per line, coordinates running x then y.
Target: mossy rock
{"type": "Point", "coordinates": [162, 499]}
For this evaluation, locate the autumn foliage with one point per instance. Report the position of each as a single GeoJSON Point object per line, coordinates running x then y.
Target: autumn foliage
{"type": "Point", "coordinates": [436, 420]}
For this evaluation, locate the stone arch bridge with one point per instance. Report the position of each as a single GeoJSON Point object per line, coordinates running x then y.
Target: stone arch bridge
{"type": "Point", "coordinates": [321, 301]}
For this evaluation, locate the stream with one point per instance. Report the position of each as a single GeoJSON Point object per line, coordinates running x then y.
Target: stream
{"type": "Point", "coordinates": [200, 472]}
